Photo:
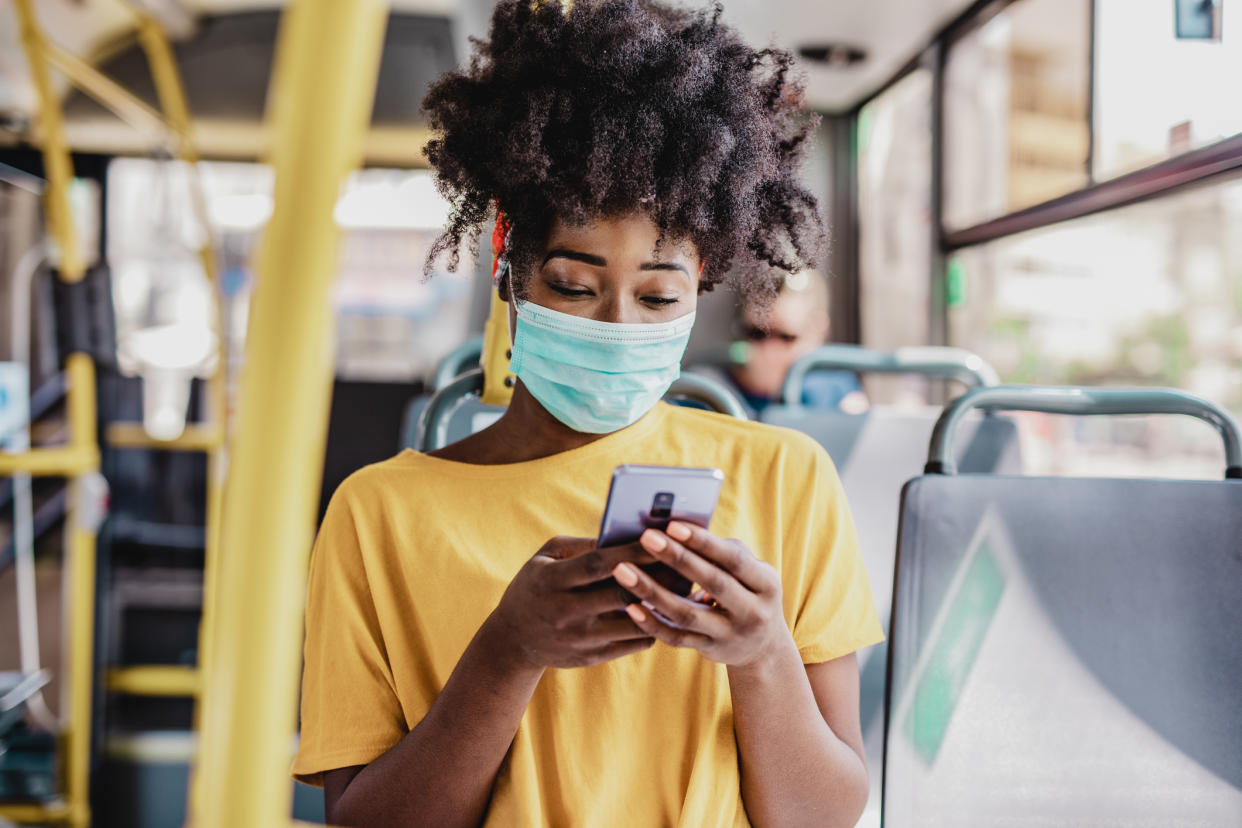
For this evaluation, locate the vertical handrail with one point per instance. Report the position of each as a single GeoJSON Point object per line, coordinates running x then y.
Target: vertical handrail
{"type": "Point", "coordinates": [322, 89]}
{"type": "Point", "coordinates": [176, 110]}
{"type": "Point", "coordinates": [80, 460]}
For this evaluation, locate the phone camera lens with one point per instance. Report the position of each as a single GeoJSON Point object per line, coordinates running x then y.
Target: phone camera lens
{"type": "Point", "coordinates": [662, 505]}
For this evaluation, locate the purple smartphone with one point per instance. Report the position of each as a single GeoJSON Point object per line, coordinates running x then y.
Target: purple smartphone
{"type": "Point", "coordinates": [648, 497]}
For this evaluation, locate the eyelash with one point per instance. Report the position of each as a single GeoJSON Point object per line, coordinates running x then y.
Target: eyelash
{"type": "Point", "coordinates": [659, 301]}
{"type": "Point", "coordinates": [564, 291]}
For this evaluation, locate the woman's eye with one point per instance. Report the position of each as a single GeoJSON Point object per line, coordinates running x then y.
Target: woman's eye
{"type": "Point", "coordinates": [565, 290]}
{"type": "Point", "coordinates": [661, 301]}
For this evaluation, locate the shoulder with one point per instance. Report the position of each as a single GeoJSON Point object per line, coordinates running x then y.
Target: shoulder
{"type": "Point", "coordinates": [377, 481]}
{"type": "Point", "coordinates": [747, 437]}
{"type": "Point", "coordinates": [357, 526]}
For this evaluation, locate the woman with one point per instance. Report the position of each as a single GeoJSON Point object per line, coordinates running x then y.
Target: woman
{"type": "Point", "coordinates": [471, 656]}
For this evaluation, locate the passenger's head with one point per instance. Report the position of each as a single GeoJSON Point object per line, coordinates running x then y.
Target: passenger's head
{"type": "Point", "coordinates": [777, 334]}
{"type": "Point", "coordinates": [629, 133]}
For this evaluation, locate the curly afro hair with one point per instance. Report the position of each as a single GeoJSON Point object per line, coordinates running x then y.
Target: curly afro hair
{"type": "Point", "coordinates": [610, 107]}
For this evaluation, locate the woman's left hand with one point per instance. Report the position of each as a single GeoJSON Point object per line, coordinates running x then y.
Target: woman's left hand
{"type": "Point", "coordinates": [735, 618]}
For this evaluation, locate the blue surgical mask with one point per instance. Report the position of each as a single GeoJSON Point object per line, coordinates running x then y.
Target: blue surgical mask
{"type": "Point", "coordinates": [596, 377]}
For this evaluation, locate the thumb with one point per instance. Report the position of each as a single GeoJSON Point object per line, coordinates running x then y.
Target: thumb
{"type": "Point", "coordinates": [563, 547]}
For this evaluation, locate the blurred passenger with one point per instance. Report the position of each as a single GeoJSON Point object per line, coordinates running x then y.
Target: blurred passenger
{"type": "Point", "coordinates": [776, 336]}
{"type": "Point", "coordinates": [471, 656]}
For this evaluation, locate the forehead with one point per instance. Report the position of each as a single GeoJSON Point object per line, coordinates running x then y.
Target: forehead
{"type": "Point", "coordinates": [788, 313]}
{"type": "Point", "coordinates": [631, 236]}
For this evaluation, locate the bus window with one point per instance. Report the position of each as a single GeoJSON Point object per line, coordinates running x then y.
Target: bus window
{"type": "Point", "coordinates": [392, 324]}
{"type": "Point", "coordinates": [894, 198]}
{"type": "Point", "coordinates": [1016, 98]}
{"type": "Point", "coordinates": [1156, 95]}
{"type": "Point", "coordinates": [1045, 307]}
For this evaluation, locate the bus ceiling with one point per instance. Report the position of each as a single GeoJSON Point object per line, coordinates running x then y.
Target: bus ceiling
{"type": "Point", "coordinates": [224, 49]}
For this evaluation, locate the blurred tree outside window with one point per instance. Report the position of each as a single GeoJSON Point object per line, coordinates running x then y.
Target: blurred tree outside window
{"type": "Point", "coordinates": [1147, 295]}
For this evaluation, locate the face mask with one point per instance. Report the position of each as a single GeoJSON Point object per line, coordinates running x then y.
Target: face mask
{"type": "Point", "coordinates": [596, 377]}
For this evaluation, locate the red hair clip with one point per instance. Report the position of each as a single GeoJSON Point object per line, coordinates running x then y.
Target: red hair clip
{"type": "Point", "coordinates": [500, 247]}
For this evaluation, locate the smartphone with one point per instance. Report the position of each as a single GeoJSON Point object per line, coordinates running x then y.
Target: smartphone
{"type": "Point", "coordinates": [649, 497]}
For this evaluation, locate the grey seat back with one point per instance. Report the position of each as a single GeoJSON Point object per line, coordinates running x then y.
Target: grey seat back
{"type": "Point", "coordinates": [454, 411]}
{"type": "Point", "coordinates": [469, 416]}
{"type": "Point", "coordinates": [1066, 652]}
{"type": "Point", "coordinates": [876, 452]}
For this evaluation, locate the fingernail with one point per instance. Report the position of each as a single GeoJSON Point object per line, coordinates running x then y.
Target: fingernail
{"type": "Point", "coordinates": [652, 541]}
{"type": "Point", "coordinates": [633, 611]}
{"type": "Point", "coordinates": [678, 531]}
{"type": "Point", "coordinates": [625, 575]}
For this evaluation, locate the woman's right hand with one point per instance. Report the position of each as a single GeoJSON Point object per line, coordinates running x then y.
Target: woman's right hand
{"type": "Point", "coordinates": [564, 609]}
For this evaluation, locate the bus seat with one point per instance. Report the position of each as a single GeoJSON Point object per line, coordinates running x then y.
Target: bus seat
{"type": "Point", "coordinates": [469, 416]}
{"type": "Point", "coordinates": [1066, 651]}
{"type": "Point", "coordinates": [839, 432]}
{"type": "Point", "coordinates": [458, 361]}
{"type": "Point", "coordinates": [455, 411]}
{"type": "Point", "coordinates": [876, 452]}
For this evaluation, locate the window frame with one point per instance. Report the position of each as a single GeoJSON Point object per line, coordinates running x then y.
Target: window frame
{"type": "Point", "coordinates": [1217, 161]}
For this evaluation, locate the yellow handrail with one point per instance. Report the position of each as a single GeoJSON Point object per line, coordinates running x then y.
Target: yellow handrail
{"type": "Point", "coordinates": [323, 85]}
{"type": "Point", "coordinates": [154, 680]}
{"type": "Point", "coordinates": [497, 389]}
{"type": "Point", "coordinates": [120, 101]}
{"type": "Point", "coordinates": [56, 159]}
{"type": "Point", "coordinates": [214, 436]}
{"type": "Point", "coordinates": [78, 461]}
{"type": "Point", "coordinates": [81, 455]}
{"type": "Point", "coordinates": [195, 437]}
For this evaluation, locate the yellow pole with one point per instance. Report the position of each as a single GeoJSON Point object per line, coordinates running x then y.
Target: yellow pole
{"type": "Point", "coordinates": [495, 361]}
{"type": "Point", "coordinates": [85, 515]}
{"type": "Point", "coordinates": [56, 160]}
{"type": "Point", "coordinates": [81, 458]}
{"type": "Point", "coordinates": [176, 109]}
{"type": "Point", "coordinates": [164, 72]}
{"type": "Point", "coordinates": [327, 60]}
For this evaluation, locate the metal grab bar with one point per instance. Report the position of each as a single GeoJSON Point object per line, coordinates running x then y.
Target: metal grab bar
{"type": "Point", "coordinates": [1081, 401]}
{"type": "Point", "coordinates": [948, 363]}
{"type": "Point", "coordinates": [718, 397]}
{"type": "Point", "coordinates": [459, 361]}
{"type": "Point", "coordinates": [433, 423]}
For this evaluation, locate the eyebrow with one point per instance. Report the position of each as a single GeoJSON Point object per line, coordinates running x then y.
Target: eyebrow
{"type": "Point", "coordinates": [600, 261]}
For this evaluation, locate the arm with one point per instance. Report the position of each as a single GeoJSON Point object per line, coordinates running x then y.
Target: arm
{"type": "Point", "coordinates": [799, 740]}
{"type": "Point", "coordinates": [555, 613]}
{"type": "Point", "coordinates": [797, 728]}
{"type": "Point", "coordinates": [442, 771]}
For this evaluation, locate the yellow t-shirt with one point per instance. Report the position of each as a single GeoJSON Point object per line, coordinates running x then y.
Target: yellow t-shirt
{"type": "Point", "coordinates": [416, 551]}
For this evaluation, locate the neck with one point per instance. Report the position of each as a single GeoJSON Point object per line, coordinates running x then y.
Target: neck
{"type": "Point", "coordinates": [527, 432]}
